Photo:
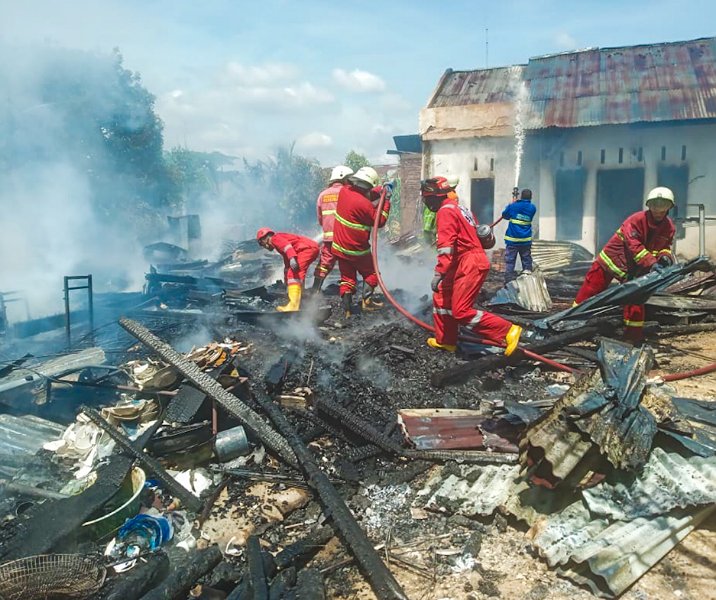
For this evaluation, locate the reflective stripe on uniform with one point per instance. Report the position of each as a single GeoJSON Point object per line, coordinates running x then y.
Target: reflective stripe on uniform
{"type": "Point", "coordinates": [519, 222]}
{"type": "Point", "coordinates": [641, 254]}
{"type": "Point", "coordinates": [287, 247]}
{"type": "Point", "coordinates": [351, 224]}
{"type": "Point", "coordinates": [293, 281]}
{"type": "Point", "coordinates": [349, 284]}
{"type": "Point", "coordinates": [442, 311]}
{"type": "Point", "coordinates": [608, 261]}
{"type": "Point", "coordinates": [514, 239]}
{"type": "Point", "coordinates": [327, 235]}
{"type": "Point", "coordinates": [384, 213]}
{"type": "Point", "coordinates": [445, 250]}
{"type": "Point", "coordinates": [328, 212]}
{"type": "Point", "coordinates": [629, 323]}
{"type": "Point", "coordinates": [477, 318]}
{"type": "Point", "coordinates": [351, 252]}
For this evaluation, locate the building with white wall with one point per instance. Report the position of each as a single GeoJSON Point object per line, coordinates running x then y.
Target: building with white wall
{"type": "Point", "coordinates": [601, 127]}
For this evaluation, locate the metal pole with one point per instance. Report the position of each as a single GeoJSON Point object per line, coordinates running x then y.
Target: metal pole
{"type": "Point", "coordinates": [90, 303]}
{"type": "Point", "coordinates": [702, 230]}
{"type": "Point", "coordinates": [67, 309]}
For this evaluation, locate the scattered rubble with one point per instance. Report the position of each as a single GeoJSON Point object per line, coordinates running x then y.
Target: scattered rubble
{"type": "Point", "coordinates": [305, 455]}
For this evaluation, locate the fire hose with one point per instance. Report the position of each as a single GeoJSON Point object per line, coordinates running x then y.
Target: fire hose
{"type": "Point", "coordinates": [686, 374]}
{"type": "Point", "coordinates": [423, 324]}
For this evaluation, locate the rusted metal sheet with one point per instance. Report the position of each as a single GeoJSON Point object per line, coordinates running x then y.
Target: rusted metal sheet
{"type": "Point", "coordinates": [445, 428]}
{"type": "Point", "coordinates": [607, 86]}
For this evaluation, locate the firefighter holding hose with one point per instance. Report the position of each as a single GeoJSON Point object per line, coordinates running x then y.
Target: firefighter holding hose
{"type": "Point", "coordinates": [298, 253]}
{"type": "Point", "coordinates": [461, 270]}
{"type": "Point", "coordinates": [641, 244]}
{"type": "Point", "coordinates": [355, 213]}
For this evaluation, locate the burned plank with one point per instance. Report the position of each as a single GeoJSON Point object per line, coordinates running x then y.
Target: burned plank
{"type": "Point", "coordinates": [282, 583]}
{"type": "Point", "coordinates": [133, 584]}
{"type": "Point", "coordinates": [184, 406]}
{"type": "Point", "coordinates": [309, 585]}
{"type": "Point", "coordinates": [258, 583]}
{"type": "Point", "coordinates": [184, 573]}
{"type": "Point", "coordinates": [384, 585]}
{"type": "Point", "coordinates": [278, 372]}
{"type": "Point", "coordinates": [233, 405]}
{"type": "Point", "coordinates": [149, 463]}
{"type": "Point", "coordinates": [298, 553]}
{"type": "Point", "coordinates": [461, 373]}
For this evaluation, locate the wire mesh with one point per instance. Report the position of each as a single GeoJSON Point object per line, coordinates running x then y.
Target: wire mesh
{"type": "Point", "coordinates": [51, 576]}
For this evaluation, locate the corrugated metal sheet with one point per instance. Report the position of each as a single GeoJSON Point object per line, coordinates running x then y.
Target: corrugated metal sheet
{"type": "Point", "coordinates": [668, 481]}
{"type": "Point", "coordinates": [610, 556]}
{"type": "Point", "coordinates": [608, 86]}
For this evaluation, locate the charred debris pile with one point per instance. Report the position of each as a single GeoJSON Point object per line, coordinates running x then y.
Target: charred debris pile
{"type": "Point", "coordinates": [306, 455]}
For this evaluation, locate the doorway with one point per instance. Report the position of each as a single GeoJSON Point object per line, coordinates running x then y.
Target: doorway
{"type": "Point", "coordinates": [482, 199]}
{"type": "Point", "coordinates": [620, 192]}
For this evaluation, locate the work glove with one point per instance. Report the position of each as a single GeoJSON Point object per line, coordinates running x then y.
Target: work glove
{"type": "Point", "coordinates": [293, 264]}
{"type": "Point", "coordinates": [435, 282]}
{"type": "Point", "coordinates": [388, 188]}
{"type": "Point", "coordinates": [665, 260]}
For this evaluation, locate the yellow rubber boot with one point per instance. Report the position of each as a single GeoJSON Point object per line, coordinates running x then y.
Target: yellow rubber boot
{"type": "Point", "coordinates": [294, 299]}
{"type": "Point", "coordinates": [433, 343]}
{"type": "Point", "coordinates": [369, 302]}
{"type": "Point", "coordinates": [512, 339]}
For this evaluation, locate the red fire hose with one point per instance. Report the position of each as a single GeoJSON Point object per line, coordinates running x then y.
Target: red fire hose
{"type": "Point", "coordinates": [686, 374]}
{"type": "Point", "coordinates": [414, 319]}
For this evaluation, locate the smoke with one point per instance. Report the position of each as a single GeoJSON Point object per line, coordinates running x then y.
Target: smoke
{"type": "Point", "coordinates": [410, 274]}
{"type": "Point", "coordinates": [72, 201]}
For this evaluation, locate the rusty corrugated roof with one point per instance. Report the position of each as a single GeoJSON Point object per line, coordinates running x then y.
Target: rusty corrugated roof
{"type": "Point", "coordinates": [601, 86]}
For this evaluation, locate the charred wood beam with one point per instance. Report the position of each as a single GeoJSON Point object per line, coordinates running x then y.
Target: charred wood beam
{"type": "Point", "coordinates": [685, 329]}
{"type": "Point", "coordinates": [184, 575]}
{"type": "Point", "coordinates": [461, 373]}
{"type": "Point", "coordinates": [282, 583]}
{"type": "Point", "coordinates": [133, 584]}
{"type": "Point", "coordinates": [474, 457]}
{"type": "Point", "coordinates": [211, 500]}
{"type": "Point", "coordinates": [309, 585]}
{"type": "Point", "coordinates": [277, 373]}
{"type": "Point", "coordinates": [150, 463]}
{"type": "Point", "coordinates": [384, 585]}
{"type": "Point", "coordinates": [185, 404]}
{"type": "Point", "coordinates": [301, 551]}
{"type": "Point", "coordinates": [232, 404]}
{"type": "Point", "coordinates": [257, 575]}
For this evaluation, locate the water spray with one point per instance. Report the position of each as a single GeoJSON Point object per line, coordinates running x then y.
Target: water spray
{"type": "Point", "coordinates": [519, 127]}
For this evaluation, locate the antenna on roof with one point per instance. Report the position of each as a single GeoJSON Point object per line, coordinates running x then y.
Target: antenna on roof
{"type": "Point", "coordinates": [487, 49]}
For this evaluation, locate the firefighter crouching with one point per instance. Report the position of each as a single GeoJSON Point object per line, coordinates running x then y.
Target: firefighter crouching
{"type": "Point", "coordinates": [326, 212]}
{"type": "Point", "coordinates": [461, 269]}
{"type": "Point", "coordinates": [641, 244]}
{"type": "Point", "coordinates": [298, 253]}
{"type": "Point", "coordinates": [355, 213]}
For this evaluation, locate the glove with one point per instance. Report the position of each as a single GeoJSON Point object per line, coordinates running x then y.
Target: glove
{"type": "Point", "coordinates": [435, 282]}
{"type": "Point", "coordinates": [665, 260]}
{"type": "Point", "coordinates": [293, 264]}
{"type": "Point", "coordinates": [388, 188]}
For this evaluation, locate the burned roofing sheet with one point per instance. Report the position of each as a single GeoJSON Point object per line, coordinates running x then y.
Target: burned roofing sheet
{"type": "Point", "coordinates": [601, 86]}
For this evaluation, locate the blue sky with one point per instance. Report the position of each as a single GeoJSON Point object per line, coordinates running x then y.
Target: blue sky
{"type": "Point", "coordinates": [243, 77]}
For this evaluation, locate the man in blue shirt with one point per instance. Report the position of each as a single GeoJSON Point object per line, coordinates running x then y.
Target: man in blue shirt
{"type": "Point", "coordinates": [518, 237]}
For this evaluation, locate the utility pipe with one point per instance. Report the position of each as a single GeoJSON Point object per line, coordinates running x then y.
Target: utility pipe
{"type": "Point", "coordinates": [423, 324]}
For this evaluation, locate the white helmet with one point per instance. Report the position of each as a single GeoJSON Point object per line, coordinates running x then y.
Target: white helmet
{"type": "Point", "coordinates": [453, 180]}
{"type": "Point", "coordinates": [366, 175]}
{"type": "Point", "coordinates": [660, 196]}
{"type": "Point", "coordinates": [339, 173]}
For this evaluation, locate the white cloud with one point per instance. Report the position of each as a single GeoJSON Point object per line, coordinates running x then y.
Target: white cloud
{"type": "Point", "coordinates": [565, 41]}
{"type": "Point", "coordinates": [315, 139]}
{"type": "Point", "coordinates": [251, 75]}
{"type": "Point", "coordinates": [358, 81]}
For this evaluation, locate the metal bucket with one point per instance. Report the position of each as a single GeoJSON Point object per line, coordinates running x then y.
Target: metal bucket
{"type": "Point", "coordinates": [231, 443]}
{"type": "Point", "coordinates": [486, 236]}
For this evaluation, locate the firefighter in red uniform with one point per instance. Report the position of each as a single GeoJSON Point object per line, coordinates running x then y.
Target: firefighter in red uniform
{"type": "Point", "coordinates": [326, 212]}
{"type": "Point", "coordinates": [641, 244]}
{"type": "Point", "coordinates": [298, 253]}
{"type": "Point", "coordinates": [355, 213]}
{"type": "Point", "coordinates": [461, 270]}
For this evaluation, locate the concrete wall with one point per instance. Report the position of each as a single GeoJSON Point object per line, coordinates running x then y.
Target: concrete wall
{"type": "Point", "coordinates": [547, 151]}
{"type": "Point", "coordinates": [555, 148]}
{"type": "Point", "coordinates": [409, 171]}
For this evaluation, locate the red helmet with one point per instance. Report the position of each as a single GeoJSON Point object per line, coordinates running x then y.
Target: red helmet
{"type": "Point", "coordinates": [262, 233]}
{"type": "Point", "coordinates": [436, 186]}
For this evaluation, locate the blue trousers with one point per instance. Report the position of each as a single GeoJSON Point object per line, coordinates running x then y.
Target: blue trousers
{"type": "Point", "coordinates": [511, 252]}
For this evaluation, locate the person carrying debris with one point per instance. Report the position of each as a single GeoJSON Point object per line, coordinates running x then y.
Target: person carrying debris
{"type": "Point", "coordinates": [641, 244]}
{"type": "Point", "coordinates": [355, 213]}
{"type": "Point", "coordinates": [326, 211]}
{"type": "Point", "coordinates": [460, 272]}
{"type": "Point", "coordinates": [298, 253]}
{"type": "Point", "coordinates": [518, 237]}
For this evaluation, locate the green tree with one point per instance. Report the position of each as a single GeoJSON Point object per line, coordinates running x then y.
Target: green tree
{"type": "Point", "coordinates": [194, 175]}
{"type": "Point", "coordinates": [355, 161]}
